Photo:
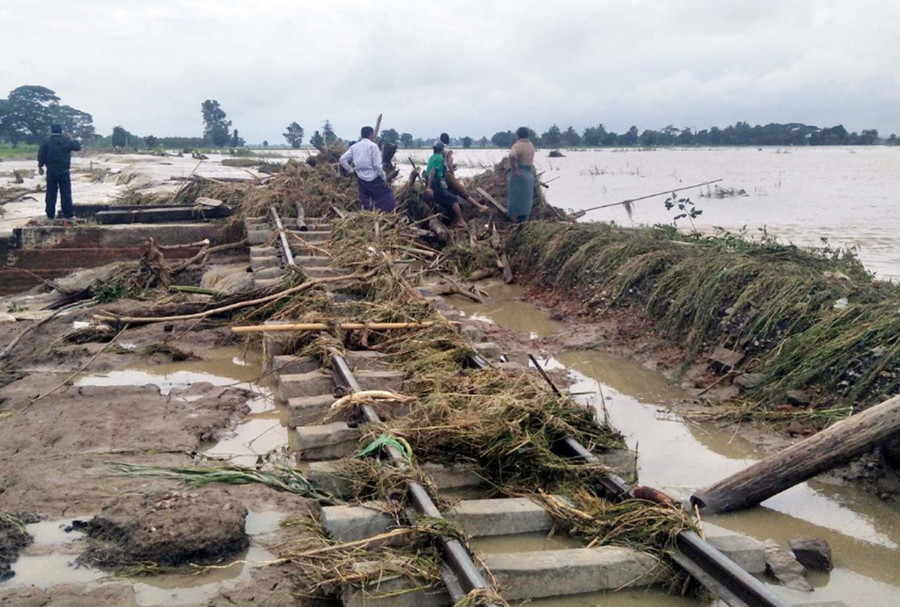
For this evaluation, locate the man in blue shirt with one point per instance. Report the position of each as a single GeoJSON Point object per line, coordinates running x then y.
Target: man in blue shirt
{"type": "Point", "coordinates": [56, 153]}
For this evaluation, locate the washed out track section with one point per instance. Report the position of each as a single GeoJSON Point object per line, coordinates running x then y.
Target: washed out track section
{"type": "Point", "coordinates": [309, 391]}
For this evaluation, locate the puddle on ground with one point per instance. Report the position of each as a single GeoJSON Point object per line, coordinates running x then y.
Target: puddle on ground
{"type": "Point", "coordinates": [680, 457]}
{"type": "Point", "coordinates": [51, 533]}
{"type": "Point", "coordinates": [650, 597]}
{"type": "Point", "coordinates": [44, 571]}
{"type": "Point", "coordinates": [525, 542]}
{"type": "Point", "coordinates": [251, 439]}
{"type": "Point", "coordinates": [506, 309]}
{"type": "Point", "coordinates": [190, 588]}
{"type": "Point", "coordinates": [262, 431]}
{"type": "Point", "coordinates": [223, 367]}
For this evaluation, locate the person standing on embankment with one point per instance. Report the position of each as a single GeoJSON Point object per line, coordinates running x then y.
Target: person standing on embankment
{"type": "Point", "coordinates": [363, 159]}
{"type": "Point", "coordinates": [56, 154]}
{"type": "Point", "coordinates": [453, 184]}
{"type": "Point", "coordinates": [521, 177]}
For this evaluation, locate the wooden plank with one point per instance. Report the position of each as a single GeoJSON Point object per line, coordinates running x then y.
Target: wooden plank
{"type": "Point", "coordinates": [491, 199]}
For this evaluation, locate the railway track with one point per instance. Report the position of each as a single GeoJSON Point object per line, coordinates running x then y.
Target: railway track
{"type": "Point", "coordinates": [308, 393]}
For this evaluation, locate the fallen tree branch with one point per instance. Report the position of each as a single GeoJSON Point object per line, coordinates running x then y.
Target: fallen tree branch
{"type": "Point", "coordinates": [238, 305]}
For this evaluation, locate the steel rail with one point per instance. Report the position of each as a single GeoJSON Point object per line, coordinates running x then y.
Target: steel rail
{"type": "Point", "coordinates": [457, 558]}
{"type": "Point", "coordinates": [719, 574]}
{"type": "Point", "coordinates": [285, 247]}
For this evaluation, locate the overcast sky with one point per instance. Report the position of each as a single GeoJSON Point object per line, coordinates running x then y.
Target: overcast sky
{"type": "Point", "coordinates": [466, 67]}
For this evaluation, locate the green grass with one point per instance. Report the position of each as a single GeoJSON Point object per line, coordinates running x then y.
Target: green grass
{"type": "Point", "coordinates": [774, 302]}
{"type": "Point", "coordinates": [22, 152]}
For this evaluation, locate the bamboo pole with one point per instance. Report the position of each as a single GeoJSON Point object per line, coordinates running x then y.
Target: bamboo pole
{"type": "Point", "coordinates": [324, 326]}
{"type": "Point", "coordinates": [235, 306]}
{"type": "Point", "coordinates": [829, 448]}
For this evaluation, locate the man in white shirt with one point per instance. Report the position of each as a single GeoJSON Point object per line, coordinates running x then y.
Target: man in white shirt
{"type": "Point", "coordinates": [363, 158]}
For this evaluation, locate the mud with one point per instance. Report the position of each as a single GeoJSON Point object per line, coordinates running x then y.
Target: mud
{"type": "Point", "coordinates": [171, 530]}
{"type": "Point", "coordinates": [13, 539]}
{"type": "Point", "coordinates": [133, 403]}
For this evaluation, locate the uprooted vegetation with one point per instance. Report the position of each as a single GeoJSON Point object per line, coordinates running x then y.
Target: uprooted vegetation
{"type": "Point", "coordinates": [806, 319]}
{"type": "Point", "coordinates": [504, 425]}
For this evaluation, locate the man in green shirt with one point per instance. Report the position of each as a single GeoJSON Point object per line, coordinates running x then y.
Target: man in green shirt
{"type": "Point", "coordinates": [435, 173]}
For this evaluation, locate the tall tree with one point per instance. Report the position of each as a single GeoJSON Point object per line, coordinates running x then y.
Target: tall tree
{"type": "Point", "coordinates": [406, 139]}
{"type": "Point", "coordinates": [328, 133]}
{"type": "Point", "coordinates": [317, 140]}
{"type": "Point", "coordinates": [236, 140]}
{"type": "Point", "coordinates": [215, 126]}
{"type": "Point", "coordinates": [467, 141]}
{"type": "Point", "coordinates": [571, 138]}
{"type": "Point", "coordinates": [390, 136]}
{"type": "Point", "coordinates": [28, 113]}
{"type": "Point", "coordinates": [120, 137]}
{"type": "Point", "coordinates": [294, 135]}
{"type": "Point", "coordinates": [503, 140]}
{"type": "Point", "coordinates": [552, 138]}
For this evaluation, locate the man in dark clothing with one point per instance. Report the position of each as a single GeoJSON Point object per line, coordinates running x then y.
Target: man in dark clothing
{"type": "Point", "coordinates": [56, 153]}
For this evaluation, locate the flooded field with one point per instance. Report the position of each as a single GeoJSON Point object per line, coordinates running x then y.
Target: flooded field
{"type": "Point", "coordinates": [800, 195]}
{"type": "Point", "coordinates": [680, 456]}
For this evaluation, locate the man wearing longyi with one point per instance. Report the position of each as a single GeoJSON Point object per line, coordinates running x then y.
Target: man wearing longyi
{"type": "Point", "coordinates": [363, 159]}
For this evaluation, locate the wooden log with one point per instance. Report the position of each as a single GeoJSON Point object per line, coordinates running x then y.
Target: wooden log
{"type": "Point", "coordinates": [324, 326]}
{"type": "Point", "coordinates": [829, 448]}
{"type": "Point", "coordinates": [491, 199]}
{"type": "Point", "coordinates": [439, 229]}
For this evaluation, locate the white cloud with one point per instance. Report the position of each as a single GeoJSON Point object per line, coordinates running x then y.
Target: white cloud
{"type": "Point", "coordinates": [469, 67]}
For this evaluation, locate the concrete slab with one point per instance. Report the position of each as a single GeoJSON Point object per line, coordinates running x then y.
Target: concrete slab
{"type": "Point", "coordinates": [746, 552]}
{"type": "Point", "coordinates": [489, 350]}
{"type": "Point", "coordinates": [484, 518]}
{"type": "Point", "coordinates": [326, 441]}
{"type": "Point", "coordinates": [307, 261]}
{"type": "Point", "coordinates": [330, 477]}
{"type": "Point", "coordinates": [523, 575]}
{"type": "Point", "coordinates": [396, 592]}
{"type": "Point", "coordinates": [308, 410]}
{"type": "Point", "coordinates": [472, 332]}
{"type": "Point", "coordinates": [260, 263]}
{"type": "Point", "coordinates": [352, 523]}
{"type": "Point", "coordinates": [380, 380]}
{"type": "Point", "coordinates": [297, 385]}
{"type": "Point", "coordinates": [259, 237]}
{"type": "Point", "coordinates": [452, 477]}
{"type": "Point", "coordinates": [291, 365]}
{"type": "Point", "coordinates": [314, 236]}
{"type": "Point", "coordinates": [270, 272]}
{"type": "Point", "coordinates": [263, 251]}
{"type": "Point", "coordinates": [367, 360]}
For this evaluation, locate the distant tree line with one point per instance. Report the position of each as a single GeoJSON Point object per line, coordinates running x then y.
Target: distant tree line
{"type": "Point", "coordinates": [741, 133]}
{"type": "Point", "coordinates": [27, 113]}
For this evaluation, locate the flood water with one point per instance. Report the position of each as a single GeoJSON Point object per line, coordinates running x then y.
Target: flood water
{"type": "Point", "coordinates": [801, 195]}
{"type": "Point", "coordinates": [680, 456]}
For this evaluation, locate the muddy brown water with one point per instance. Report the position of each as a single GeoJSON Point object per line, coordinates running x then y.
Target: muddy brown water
{"type": "Point", "coordinates": [680, 457]}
